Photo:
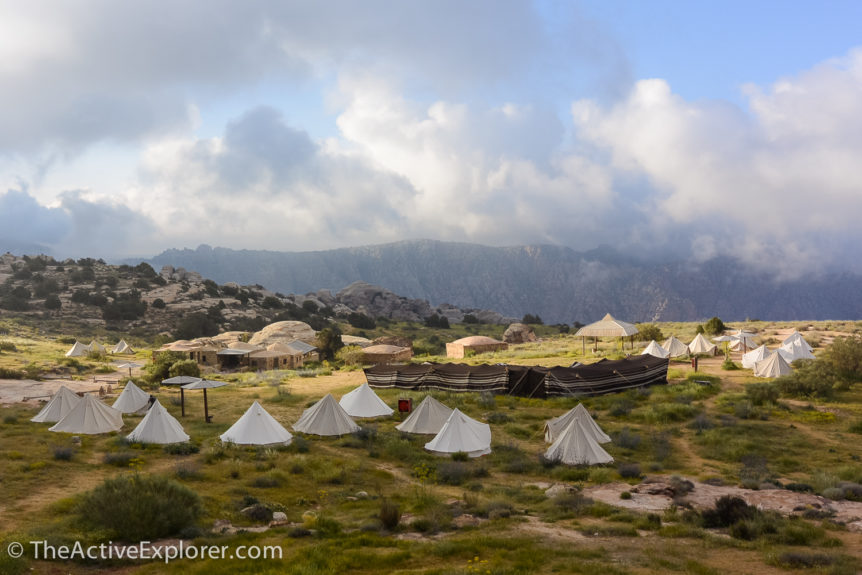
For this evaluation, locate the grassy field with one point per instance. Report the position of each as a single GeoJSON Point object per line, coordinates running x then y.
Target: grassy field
{"type": "Point", "coordinates": [488, 515]}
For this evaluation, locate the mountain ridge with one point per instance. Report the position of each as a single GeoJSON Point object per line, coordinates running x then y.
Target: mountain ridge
{"type": "Point", "coordinates": [555, 282]}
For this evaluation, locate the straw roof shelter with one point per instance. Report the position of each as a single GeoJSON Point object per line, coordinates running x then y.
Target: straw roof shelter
{"type": "Point", "coordinates": [475, 344]}
{"type": "Point", "coordinates": [608, 326]}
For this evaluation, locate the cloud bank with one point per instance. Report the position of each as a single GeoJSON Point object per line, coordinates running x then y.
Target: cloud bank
{"type": "Point", "coordinates": [498, 124]}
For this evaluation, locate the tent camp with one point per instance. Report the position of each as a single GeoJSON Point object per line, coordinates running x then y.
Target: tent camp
{"type": "Point", "coordinates": [78, 350]}
{"type": "Point", "coordinates": [90, 417]}
{"type": "Point", "coordinates": [794, 338]}
{"type": "Point", "coordinates": [700, 345]}
{"type": "Point", "coordinates": [363, 402]}
{"type": "Point", "coordinates": [325, 417]}
{"type": "Point", "coordinates": [132, 400]}
{"type": "Point", "coordinates": [755, 355]}
{"type": "Point", "coordinates": [96, 347]}
{"type": "Point", "coordinates": [576, 446]}
{"type": "Point", "coordinates": [555, 426]}
{"type": "Point", "coordinates": [122, 347]}
{"type": "Point", "coordinates": [773, 366]}
{"type": "Point", "coordinates": [257, 427]}
{"type": "Point", "coordinates": [674, 347]}
{"type": "Point", "coordinates": [429, 417]}
{"type": "Point", "coordinates": [608, 326]}
{"type": "Point", "coordinates": [158, 426]}
{"type": "Point", "coordinates": [655, 350]}
{"type": "Point", "coordinates": [62, 403]}
{"type": "Point", "coordinates": [461, 434]}
{"type": "Point", "coordinates": [795, 350]}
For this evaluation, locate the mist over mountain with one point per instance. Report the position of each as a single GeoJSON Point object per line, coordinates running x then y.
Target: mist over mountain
{"type": "Point", "coordinates": [557, 283]}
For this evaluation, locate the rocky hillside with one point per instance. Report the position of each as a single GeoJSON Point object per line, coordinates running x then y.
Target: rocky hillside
{"type": "Point", "coordinates": [556, 283]}
{"type": "Point", "coordinates": [139, 300]}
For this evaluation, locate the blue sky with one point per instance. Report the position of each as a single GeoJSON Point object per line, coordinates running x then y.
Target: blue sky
{"type": "Point", "coordinates": [666, 129]}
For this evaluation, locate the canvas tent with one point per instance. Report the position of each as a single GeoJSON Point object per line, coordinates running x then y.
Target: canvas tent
{"type": "Point", "coordinates": [608, 326]}
{"type": "Point", "coordinates": [755, 355]}
{"type": "Point", "coordinates": [90, 417]}
{"type": "Point", "coordinates": [429, 417]}
{"type": "Point", "coordinates": [63, 402]}
{"type": "Point", "coordinates": [158, 426]}
{"type": "Point", "coordinates": [122, 347]}
{"type": "Point", "coordinates": [773, 366]}
{"type": "Point", "coordinates": [78, 350]}
{"type": "Point", "coordinates": [742, 341]}
{"type": "Point", "coordinates": [132, 400]}
{"type": "Point", "coordinates": [257, 427]}
{"type": "Point", "coordinates": [795, 350]}
{"type": "Point", "coordinates": [325, 417]}
{"type": "Point", "coordinates": [674, 347]}
{"type": "Point", "coordinates": [655, 350]}
{"type": "Point", "coordinates": [576, 446]}
{"type": "Point", "coordinates": [555, 426]}
{"type": "Point", "coordinates": [700, 345]}
{"type": "Point", "coordinates": [96, 347]}
{"type": "Point", "coordinates": [461, 434]}
{"type": "Point", "coordinates": [795, 338]}
{"type": "Point", "coordinates": [363, 402]}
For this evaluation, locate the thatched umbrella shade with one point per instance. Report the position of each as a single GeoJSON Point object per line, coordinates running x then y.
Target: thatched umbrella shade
{"type": "Point", "coordinates": [130, 365]}
{"type": "Point", "coordinates": [608, 326]}
{"type": "Point", "coordinates": [181, 380]}
{"type": "Point", "coordinates": [205, 384]}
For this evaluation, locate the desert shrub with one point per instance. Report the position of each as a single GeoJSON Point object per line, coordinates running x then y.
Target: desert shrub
{"type": "Point", "coordinates": [629, 470]}
{"type": "Point", "coordinates": [9, 373]}
{"type": "Point", "coordinates": [184, 448]}
{"type": "Point", "coordinates": [810, 378]}
{"type": "Point", "coordinates": [486, 400]}
{"type": "Point", "coordinates": [856, 427]}
{"type": "Point", "coordinates": [621, 407]}
{"type": "Point", "coordinates": [258, 512]}
{"type": "Point", "coordinates": [728, 510]}
{"type": "Point", "coordinates": [802, 560]}
{"type": "Point", "coordinates": [627, 439]}
{"type": "Point", "coordinates": [119, 459]}
{"type": "Point", "coordinates": [799, 487]}
{"type": "Point", "coordinates": [701, 423]}
{"type": "Point", "coordinates": [648, 331]}
{"type": "Point", "coordinates": [626, 495]}
{"type": "Point", "coordinates": [266, 481]}
{"type": "Point", "coordinates": [8, 346]}
{"type": "Point", "coordinates": [762, 393]}
{"type": "Point", "coordinates": [498, 417]}
{"type": "Point", "coordinates": [138, 507]}
{"type": "Point", "coordinates": [64, 453]}
{"type": "Point", "coordinates": [390, 514]}
{"type": "Point", "coordinates": [159, 303]}
{"type": "Point", "coordinates": [184, 367]}
{"type": "Point", "coordinates": [714, 326]}
{"type": "Point", "coordinates": [729, 365]}
{"type": "Point", "coordinates": [188, 471]}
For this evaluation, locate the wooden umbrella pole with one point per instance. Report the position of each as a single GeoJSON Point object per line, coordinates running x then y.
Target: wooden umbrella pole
{"type": "Point", "coordinates": [206, 408]}
{"type": "Point", "coordinates": [183, 400]}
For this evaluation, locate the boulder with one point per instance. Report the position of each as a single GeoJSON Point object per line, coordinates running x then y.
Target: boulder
{"type": "Point", "coordinates": [519, 333]}
{"type": "Point", "coordinates": [283, 332]}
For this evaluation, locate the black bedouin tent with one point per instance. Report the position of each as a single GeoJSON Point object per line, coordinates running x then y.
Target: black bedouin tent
{"type": "Point", "coordinates": [606, 376]}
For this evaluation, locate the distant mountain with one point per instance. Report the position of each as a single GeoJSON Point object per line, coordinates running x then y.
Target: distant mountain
{"type": "Point", "coordinates": [556, 283]}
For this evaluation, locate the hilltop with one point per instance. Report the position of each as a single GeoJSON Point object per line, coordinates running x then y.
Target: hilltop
{"type": "Point", "coordinates": [92, 295]}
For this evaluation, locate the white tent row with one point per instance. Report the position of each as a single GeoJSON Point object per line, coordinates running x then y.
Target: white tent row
{"type": "Point", "coordinates": [89, 417]}
{"type": "Point", "coordinates": [755, 355]}
{"type": "Point", "coordinates": [429, 417]}
{"type": "Point", "coordinates": [363, 402]}
{"type": "Point", "coordinates": [773, 366]}
{"type": "Point", "coordinates": [326, 418]}
{"type": "Point", "coordinates": [700, 345]}
{"type": "Point", "coordinates": [158, 426]}
{"type": "Point", "coordinates": [796, 338]}
{"type": "Point", "coordinates": [655, 350]}
{"type": "Point", "coordinates": [63, 401]}
{"type": "Point", "coordinates": [257, 427]}
{"type": "Point", "coordinates": [132, 400]}
{"type": "Point", "coordinates": [795, 350]}
{"type": "Point", "coordinates": [577, 446]}
{"type": "Point", "coordinates": [461, 433]}
{"type": "Point", "coordinates": [674, 347]}
{"type": "Point", "coordinates": [554, 427]}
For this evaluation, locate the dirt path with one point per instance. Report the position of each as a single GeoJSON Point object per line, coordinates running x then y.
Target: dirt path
{"type": "Point", "coordinates": [30, 391]}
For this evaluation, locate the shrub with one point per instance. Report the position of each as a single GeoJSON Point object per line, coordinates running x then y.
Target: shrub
{"type": "Point", "coordinates": [120, 459]}
{"type": "Point", "coordinates": [626, 495]}
{"type": "Point", "coordinates": [762, 393]}
{"type": "Point", "coordinates": [801, 560]}
{"type": "Point", "coordinates": [627, 439]}
{"type": "Point", "coordinates": [728, 510]}
{"type": "Point", "coordinates": [648, 331]}
{"type": "Point", "coordinates": [8, 346]}
{"type": "Point", "coordinates": [64, 453]}
{"type": "Point", "coordinates": [498, 417]}
{"type": "Point", "coordinates": [714, 326]}
{"type": "Point", "coordinates": [185, 367]}
{"type": "Point", "coordinates": [138, 507]}
{"type": "Point", "coordinates": [184, 448]}
{"type": "Point", "coordinates": [629, 470]}
{"type": "Point", "coordinates": [159, 303]}
{"type": "Point", "coordinates": [390, 514]}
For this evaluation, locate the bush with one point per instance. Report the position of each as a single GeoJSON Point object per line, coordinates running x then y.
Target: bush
{"type": "Point", "coordinates": [159, 303]}
{"type": "Point", "coordinates": [120, 459]}
{"type": "Point", "coordinates": [627, 439]}
{"type": "Point", "coordinates": [361, 321]}
{"type": "Point", "coordinates": [140, 507]}
{"type": "Point", "coordinates": [714, 326]}
{"type": "Point", "coordinates": [185, 367]}
{"type": "Point", "coordinates": [184, 448]}
{"type": "Point", "coordinates": [390, 514]}
{"type": "Point", "coordinates": [762, 393]}
{"type": "Point", "coordinates": [728, 510]}
{"type": "Point", "coordinates": [629, 470]}
{"type": "Point", "coordinates": [648, 331]}
{"type": "Point", "coordinates": [64, 453]}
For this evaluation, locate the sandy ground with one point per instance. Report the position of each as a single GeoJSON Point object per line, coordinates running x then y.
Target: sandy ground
{"type": "Point", "coordinates": [654, 496]}
{"type": "Point", "coordinates": [30, 391]}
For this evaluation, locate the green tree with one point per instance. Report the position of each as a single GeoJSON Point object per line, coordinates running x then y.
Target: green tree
{"type": "Point", "coordinates": [845, 358]}
{"type": "Point", "coordinates": [184, 367]}
{"type": "Point", "coordinates": [196, 325]}
{"type": "Point", "coordinates": [531, 319]}
{"type": "Point", "coordinates": [161, 366]}
{"type": "Point", "coordinates": [329, 342]}
{"type": "Point", "coordinates": [648, 331]}
{"type": "Point", "coordinates": [714, 326]}
{"type": "Point", "coordinates": [53, 302]}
